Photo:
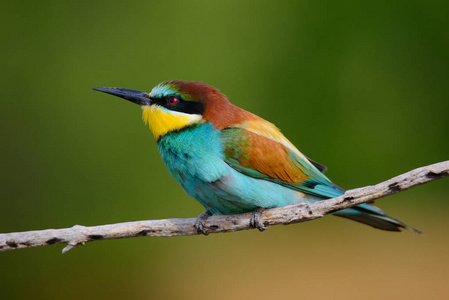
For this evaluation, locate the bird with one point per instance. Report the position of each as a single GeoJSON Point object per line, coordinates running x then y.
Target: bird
{"type": "Point", "coordinates": [232, 161]}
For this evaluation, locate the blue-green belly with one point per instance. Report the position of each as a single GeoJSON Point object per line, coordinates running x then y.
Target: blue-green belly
{"type": "Point", "coordinates": [195, 159]}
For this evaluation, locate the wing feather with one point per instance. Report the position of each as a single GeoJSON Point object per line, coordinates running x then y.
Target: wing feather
{"type": "Point", "coordinates": [258, 149]}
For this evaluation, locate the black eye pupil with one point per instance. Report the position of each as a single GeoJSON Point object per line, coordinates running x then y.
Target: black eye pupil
{"type": "Point", "coordinates": [172, 100]}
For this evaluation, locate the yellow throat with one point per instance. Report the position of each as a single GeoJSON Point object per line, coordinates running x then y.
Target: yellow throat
{"type": "Point", "coordinates": [161, 121]}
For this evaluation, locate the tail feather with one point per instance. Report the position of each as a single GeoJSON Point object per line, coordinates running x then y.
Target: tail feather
{"type": "Point", "coordinates": [373, 216]}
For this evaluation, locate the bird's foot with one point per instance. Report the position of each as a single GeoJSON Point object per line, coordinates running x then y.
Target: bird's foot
{"type": "Point", "coordinates": [254, 221]}
{"type": "Point", "coordinates": [200, 222]}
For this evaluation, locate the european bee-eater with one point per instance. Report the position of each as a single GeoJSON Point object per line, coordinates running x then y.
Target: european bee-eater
{"type": "Point", "coordinates": [231, 160]}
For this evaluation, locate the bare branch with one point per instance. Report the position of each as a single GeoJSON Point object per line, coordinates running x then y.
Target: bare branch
{"type": "Point", "coordinates": [79, 235]}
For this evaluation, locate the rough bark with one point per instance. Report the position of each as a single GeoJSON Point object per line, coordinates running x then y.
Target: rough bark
{"type": "Point", "coordinates": [79, 235]}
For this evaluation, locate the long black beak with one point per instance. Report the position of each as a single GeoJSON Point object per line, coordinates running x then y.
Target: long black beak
{"type": "Point", "coordinates": [134, 96]}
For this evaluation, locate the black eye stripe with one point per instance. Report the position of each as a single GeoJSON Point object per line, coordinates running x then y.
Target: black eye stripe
{"type": "Point", "coordinates": [189, 107]}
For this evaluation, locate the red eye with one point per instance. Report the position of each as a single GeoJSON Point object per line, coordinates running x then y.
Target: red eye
{"type": "Point", "coordinates": [172, 100]}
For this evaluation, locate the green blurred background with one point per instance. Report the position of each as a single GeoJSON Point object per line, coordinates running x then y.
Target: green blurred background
{"type": "Point", "coordinates": [361, 87]}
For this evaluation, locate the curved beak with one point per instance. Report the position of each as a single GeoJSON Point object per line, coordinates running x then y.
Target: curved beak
{"type": "Point", "coordinates": [138, 97]}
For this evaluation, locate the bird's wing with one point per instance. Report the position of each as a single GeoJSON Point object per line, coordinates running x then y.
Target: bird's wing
{"type": "Point", "coordinates": [258, 149]}
{"type": "Point", "coordinates": [320, 167]}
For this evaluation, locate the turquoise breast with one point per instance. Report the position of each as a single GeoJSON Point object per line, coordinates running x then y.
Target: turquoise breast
{"type": "Point", "coordinates": [194, 157]}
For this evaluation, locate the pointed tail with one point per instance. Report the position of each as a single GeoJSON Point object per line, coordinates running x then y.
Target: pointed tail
{"type": "Point", "coordinates": [373, 216]}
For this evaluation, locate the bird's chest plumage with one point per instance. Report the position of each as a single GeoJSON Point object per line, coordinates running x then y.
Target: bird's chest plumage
{"type": "Point", "coordinates": [193, 154]}
{"type": "Point", "coordinates": [195, 158]}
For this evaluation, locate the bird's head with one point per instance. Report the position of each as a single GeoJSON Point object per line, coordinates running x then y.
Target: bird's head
{"type": "Point", "coordinates": [175, 105]}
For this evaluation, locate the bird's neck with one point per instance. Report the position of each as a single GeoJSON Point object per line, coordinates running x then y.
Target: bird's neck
{"type": "Point", "coordinates": [163, 121]}
{"type": "Point", "coordinates": [195, 135]}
